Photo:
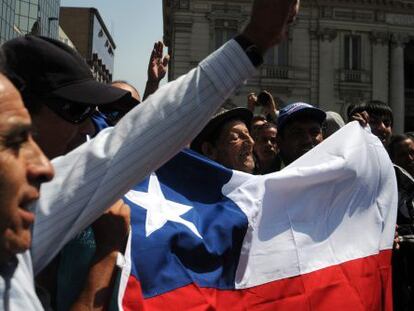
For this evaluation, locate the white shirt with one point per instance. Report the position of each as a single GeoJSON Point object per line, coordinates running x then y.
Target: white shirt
{"type": "Point", "coordinates": [95, 175]}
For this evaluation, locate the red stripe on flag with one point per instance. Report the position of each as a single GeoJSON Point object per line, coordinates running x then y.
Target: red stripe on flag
{"type": "Point", "coordinates": [363, 284]}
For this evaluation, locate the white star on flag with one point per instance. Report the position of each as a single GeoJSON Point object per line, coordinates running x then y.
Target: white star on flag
{"type": "Point", "coordinates": [159, 209]}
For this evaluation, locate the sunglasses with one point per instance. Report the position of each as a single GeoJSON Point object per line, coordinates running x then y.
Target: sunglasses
{"type": "Point", "coordinates": [72, 112]}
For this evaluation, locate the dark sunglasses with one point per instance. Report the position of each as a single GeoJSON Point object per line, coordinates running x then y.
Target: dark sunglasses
{"type": "Point", "coordinates": [72, 112]}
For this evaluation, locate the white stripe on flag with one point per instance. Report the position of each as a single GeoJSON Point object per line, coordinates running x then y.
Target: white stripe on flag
{"type": "Point", "coordinates": [335, 204]}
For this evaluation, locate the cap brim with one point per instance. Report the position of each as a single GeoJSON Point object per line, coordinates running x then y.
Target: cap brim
{"type": "Point", "coordinates": [237, 113]}
{"type": "Point", "coordinates": [313, 114]}
{"type": "Point", "coordinates": [91, 92]}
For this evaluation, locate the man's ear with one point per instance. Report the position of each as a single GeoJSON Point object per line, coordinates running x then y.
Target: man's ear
{"type": "Point", "coordinates": [209, 150]}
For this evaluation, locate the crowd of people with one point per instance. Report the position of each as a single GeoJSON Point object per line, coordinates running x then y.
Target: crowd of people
{"type": "Point", "coordinates": [71, 147]}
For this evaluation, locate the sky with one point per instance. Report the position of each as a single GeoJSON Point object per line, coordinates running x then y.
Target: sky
{"type": "Point", "coordinates": [134, 25]}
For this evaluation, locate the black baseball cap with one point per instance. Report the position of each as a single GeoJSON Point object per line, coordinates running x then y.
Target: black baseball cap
{"type": "Point", "coordinates": [49, 68]}
{"type": "Point", "coordinates": [217, 121]}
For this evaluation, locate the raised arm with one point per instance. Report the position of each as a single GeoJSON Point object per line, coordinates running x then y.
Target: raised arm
{"type": "Point", "coordinates": [157, 68]}
{"type": "Point", "coordinates": [98, 173]}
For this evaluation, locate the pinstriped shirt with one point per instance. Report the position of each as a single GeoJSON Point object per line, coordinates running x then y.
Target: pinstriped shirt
{"type": "Point", "coordinates": [95, 175]}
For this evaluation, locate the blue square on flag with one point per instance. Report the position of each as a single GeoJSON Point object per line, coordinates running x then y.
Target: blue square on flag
{"type": "Point", "coordinates": [180, 227]}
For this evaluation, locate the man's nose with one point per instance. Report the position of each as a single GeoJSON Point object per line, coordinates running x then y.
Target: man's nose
{"type": "Point", "coordinates": [38, 167]}
{"type": "Point", "coordinates": [249, 140]}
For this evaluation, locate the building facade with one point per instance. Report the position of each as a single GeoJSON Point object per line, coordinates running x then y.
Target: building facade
{"type": "Point", "coordinates": [88, 32]}
{"type": "Point", "coordinates": [63, 37]}
{"type": "Point", "coordinates": [8, 8]}
{"type": "Point", "coordinates": [338, 52]}
{"type": "Point", "coordinates": [20, 17]}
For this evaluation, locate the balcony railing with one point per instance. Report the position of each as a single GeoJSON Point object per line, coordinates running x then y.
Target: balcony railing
{"type": "Point", "coordinates": [348, 75]}
{"type": "Point", "coordinates": [275, 72]}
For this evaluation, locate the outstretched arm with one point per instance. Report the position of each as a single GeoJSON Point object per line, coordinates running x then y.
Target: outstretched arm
{"type": "Point", "coordinates": [99, 172]}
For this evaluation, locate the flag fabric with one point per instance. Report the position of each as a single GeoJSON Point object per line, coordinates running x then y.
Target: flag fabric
{"type": "Point", "coordinates": [315, 236]}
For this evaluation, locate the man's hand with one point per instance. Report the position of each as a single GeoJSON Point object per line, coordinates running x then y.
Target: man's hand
{"type": "Point", "coordinates": [269, 22]}
{"type": "Point", "coordinates": [396, 244]}
{"type": "Point", "coordinates": [158, 64]}
{"type": "Point", "coordinates": [157, 68]}
{"type": "Point", "coordinates": [112, 228]}
{"type": "Point", "coordinates": [251, 101]}
{"type": "Point", "coordinates": [361, 117]}
{"type": "Point", "coordinates": [269, 107]}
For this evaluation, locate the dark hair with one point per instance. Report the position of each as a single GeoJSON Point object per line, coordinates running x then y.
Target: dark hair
{"type": "Point", "coordinates": [375, 107]}
{"type": "Point", "coordinates": [265, 126]}
{"type": "Point", "coordinates": [410, 134]}
{"type": "Point", "coordinates": [395, 140]}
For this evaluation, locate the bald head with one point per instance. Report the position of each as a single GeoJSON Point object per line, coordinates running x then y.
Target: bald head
{"type": "Point", "coordinates": [123, 85]}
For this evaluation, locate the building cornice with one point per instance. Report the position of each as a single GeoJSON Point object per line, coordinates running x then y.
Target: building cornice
{"type": "Point", "coordinates": [326, 34]}
{"type": "Point", "coordinates": [399, 39]}
{"type": "Point", "coordinates": [379, 37]}
{"type": "Point", "coordinates": [396, 4]}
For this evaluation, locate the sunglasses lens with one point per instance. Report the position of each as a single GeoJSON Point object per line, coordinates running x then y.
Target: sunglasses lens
{"type": "Point", "coordinates": [72, 112]}
{"type": "Point", "coordinates": [77, 113]}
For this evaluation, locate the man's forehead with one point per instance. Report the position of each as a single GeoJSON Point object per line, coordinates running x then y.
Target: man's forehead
{"type": "Point", "coordinates": [408, 143]}
{"type": "Point", "coordinates": [234, 124]}
{"type": "Point", "coordinates": [378, 115]}
{"type": "Point", "coordinates": [270, 130]}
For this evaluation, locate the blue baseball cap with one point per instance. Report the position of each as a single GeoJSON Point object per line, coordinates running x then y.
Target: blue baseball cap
{"type": "Point", "coordinates": [293, 111]}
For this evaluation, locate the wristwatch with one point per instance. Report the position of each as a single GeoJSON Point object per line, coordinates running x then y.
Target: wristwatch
{"type": "Point", "coordinates": [251, 50]}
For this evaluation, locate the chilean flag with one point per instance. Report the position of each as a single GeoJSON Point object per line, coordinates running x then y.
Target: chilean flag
{"type": "Point", "coordinates": [315, 236]}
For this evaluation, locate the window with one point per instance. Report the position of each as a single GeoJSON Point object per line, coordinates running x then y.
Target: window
{"type": "Point", "coordinates": [224, 31]}
{"type": "Point", "coordinates": [352, 52]}
{"type": "Point", "coordinates": [278, 56]}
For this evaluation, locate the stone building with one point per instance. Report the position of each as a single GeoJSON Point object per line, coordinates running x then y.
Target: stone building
{"type": "Point", "coordinates": [338, 51]}
{"type": "Point", "coordinates": [88, 32]}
